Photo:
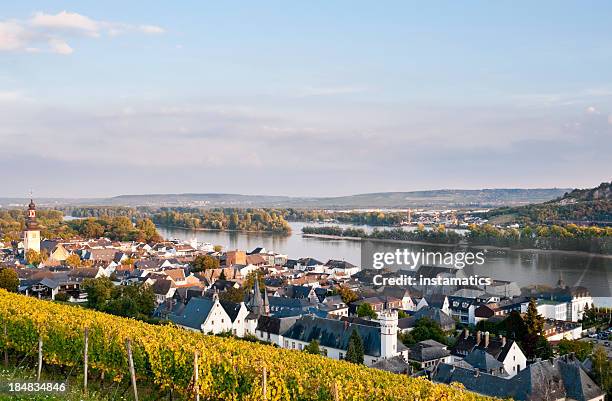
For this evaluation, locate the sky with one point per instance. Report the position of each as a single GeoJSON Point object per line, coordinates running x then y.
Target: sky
{"type": "Point", "coordinates": [312, 98]}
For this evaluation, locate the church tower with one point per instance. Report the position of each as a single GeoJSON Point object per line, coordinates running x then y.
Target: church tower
{"type": "Point", "coordinates": [31, 235]}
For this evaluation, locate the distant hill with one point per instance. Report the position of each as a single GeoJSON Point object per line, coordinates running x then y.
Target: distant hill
{"type": "Point", "coordinates": [592, 205]}
{"type": "Point", "coordinates": [444, 198]}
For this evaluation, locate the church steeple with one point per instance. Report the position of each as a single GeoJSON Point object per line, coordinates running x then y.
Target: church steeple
{"type": "Point", "coordinates": [31, 223]}
{"type": "Point", "coordinates": [31, 234]}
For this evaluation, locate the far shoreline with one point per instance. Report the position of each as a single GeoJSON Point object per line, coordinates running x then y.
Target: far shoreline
{"type": "Point", "coordinates": [485, 247]}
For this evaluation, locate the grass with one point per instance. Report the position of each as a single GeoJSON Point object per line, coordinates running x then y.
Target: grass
{"type": "Point", "coordinates": [98, 390]}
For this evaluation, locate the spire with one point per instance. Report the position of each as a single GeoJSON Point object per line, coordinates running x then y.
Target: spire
{"type": "Point", "coordinates": [256, 303]}
{"type": "Point", "coordinates": [31, 223]}
{"type": "Point", "coordinates": [266, 303]}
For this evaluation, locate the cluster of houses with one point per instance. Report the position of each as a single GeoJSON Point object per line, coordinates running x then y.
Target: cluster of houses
{"type": "Point", "coordinates": [297, 302]}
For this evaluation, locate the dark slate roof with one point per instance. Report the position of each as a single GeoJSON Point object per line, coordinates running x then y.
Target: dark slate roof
{"type": "Point", "coordinates": [578, 384]}
{"type": "Point", "coordinates": [161, 286]}
{"type": "Point", "coordinates": [275, 325]}
{"type": "Point", "coordinates": [551, 379]}
{"type": "Point", "coordinates": [482, 383]}
{"type": "Point", "coordinates": [48, 245]}
{"type": "Point", "coordinates": [360, 320]}
{"type": "Point", "coordinates": [435, 300]}
{"type": "Point", "coordinates": [339, 264]}
{"type": "Point", "coordinates": [231, 308]}
{"type": "Point", "coordinates": [428, 351]}
{"type": "Point", "coordinates": [297, 291]}
{"type": "Point", "coordinates": [495, 348]}
{"type": "Point", "coordinates": [434, 271]}
{"type": "Point", "coordinates": [308, 262]}
{"type": "Point", "coordinates": [484, 361]}
{"type": "Point", "coordinates": [334, 333]}
{"type": "Point", "coordinates": [396, 364]}
{"type": "Point", "coordinates": [442, 319]}
{"type": "Point", "coordinates": [293, 303]}
{"type": "Point", "coordinates": [194, 314]}
{"type": "Point", "coordinates": [145, 264]}
{"type": "Point", "coordinates": [48, 282]}
{"type": "Point", "coordinates": [223, 285]}
{"type": "Point", "coordinates": [291, 263]}
{"type": "Point", "coordinates": [395, 292]}
{"type": "Point", "coordinates": [463, 303]}
{"type": "Point", "coordinates": [83, 272]}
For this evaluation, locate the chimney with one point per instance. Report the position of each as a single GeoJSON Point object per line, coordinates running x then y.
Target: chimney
{"type": "Point", "coordinates": [478, 338]}
{"type": "Point", "coordinates": [486, 344]}
{"type": "Point", "coordinates": [503, 341]}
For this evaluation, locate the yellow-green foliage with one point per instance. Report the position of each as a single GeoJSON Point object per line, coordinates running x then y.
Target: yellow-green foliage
{"type": "Point", "coordinates": [229, 369]}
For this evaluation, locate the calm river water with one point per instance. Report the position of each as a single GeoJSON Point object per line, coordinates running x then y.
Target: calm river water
{"type": "Point", "coordinates": [524, 267]}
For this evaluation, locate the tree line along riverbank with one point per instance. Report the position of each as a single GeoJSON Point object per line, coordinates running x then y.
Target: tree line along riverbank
{"type": "Point", "coordinates": [565, 238]}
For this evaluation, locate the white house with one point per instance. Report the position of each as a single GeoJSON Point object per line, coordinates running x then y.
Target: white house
{"type": "Point", "coordinates": [505, 351]}
{"type": "Point", "coordinates": [555, 310]}
{"type": "Point", "coordinates": [379, 341]}
{"type": "Point", "coordinates": [210, 316]}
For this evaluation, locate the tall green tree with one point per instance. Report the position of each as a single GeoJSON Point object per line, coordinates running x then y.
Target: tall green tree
{"type": "Point", "coordinates": [365, 310]}
{"type": "Point", "coordinates": [9, 280]}
{"type": "Point", "coordinates": [534, 342]}
{"type": "Point", "coordinates": [99, 291]}
{"type": "Point", "coordinates": [354, 352]}
{"type": "Point", "coordinates": [602, 370]}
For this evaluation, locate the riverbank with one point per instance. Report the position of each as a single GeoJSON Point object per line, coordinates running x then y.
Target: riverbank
{"type": "Point", "coordinates": [459, 245]}
{"type": "Point", "coordinates": [225, 230]}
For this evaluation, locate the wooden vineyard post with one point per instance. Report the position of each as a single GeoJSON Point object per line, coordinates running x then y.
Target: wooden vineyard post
{"type": "Point", "coordinates": [196, 376]}
{"type": "Point", "coordinates": [335, 391]}
{"type": "Point", "coordinates": [85, 360]}
{"type": "Point", "coordinates": [40, 361]}
{"type": "Point", "coordinates": [265, 384]}
{"type": "Point", "coordinates": [5, 346]}
{"type": "Point", "coordinates": [132, 371]}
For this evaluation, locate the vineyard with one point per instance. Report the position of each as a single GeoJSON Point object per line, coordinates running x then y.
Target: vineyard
{"type": "Point", "coordinates": [228, 369]}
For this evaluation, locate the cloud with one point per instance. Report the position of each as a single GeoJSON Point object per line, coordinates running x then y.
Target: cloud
{"type": "Point", "coordinates": [66, 21]}
{"type": "Point", "coordinates": [12, 35]}
{"type": "Point", "coordinates": [59, 46]}
{"type": "Point", "coordinates": [592, 110]}
{"type": "Point", "coordinates": [50, 32]}
{"type": "Point", "coordinates": [151, 29]}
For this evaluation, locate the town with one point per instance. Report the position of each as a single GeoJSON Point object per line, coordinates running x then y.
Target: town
{"type": "Point", "coordinates": [493, 338]}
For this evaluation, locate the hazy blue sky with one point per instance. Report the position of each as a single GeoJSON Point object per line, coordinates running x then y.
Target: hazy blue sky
{"type": "Point", "coordinates": [303, 98]}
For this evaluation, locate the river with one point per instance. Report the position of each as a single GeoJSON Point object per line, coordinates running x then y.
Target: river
{"type": "Point", "coordinates": [523, 267]}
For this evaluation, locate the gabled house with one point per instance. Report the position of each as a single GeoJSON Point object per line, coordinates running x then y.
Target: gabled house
{"type": "Point", "coordinates": [55, 250]}
{"type": "Point", "coordinates": [163, 289]}
{"type": "Point", "coordinates": [439, 301]}
{"type": "Point", "coordinates": [504, 350]}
